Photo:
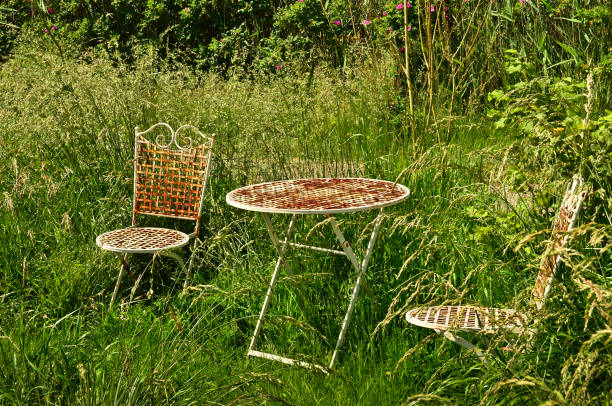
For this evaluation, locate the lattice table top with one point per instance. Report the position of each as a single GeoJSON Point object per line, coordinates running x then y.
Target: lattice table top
{"type": "Point", "coordinates": [141, 240]}
{"type": "Point", "coordinates": [318, 195]}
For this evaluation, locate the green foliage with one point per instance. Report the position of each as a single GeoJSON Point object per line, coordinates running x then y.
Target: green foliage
{"type": "Point", "coordinates": [560, 38]}
{"type": "Point", "coordinates": [209, 33]}
{"type": "Point", "coordinates": [11, 20]}
{"type": "Point", "coordinates": [563, 132]}
{"type": "Point", "coordinates": [473, 230]}
{"type": "Point", "coordinates": [462, 237]}
{"type": "Point", "coordinates": [206, 33]}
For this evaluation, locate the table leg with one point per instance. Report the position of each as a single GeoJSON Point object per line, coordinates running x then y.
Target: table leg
{"type": "Point", "coordinates": [361, 272]}
{"type": "Point", "coordinates": [275, 240]}
{"type": "Point", "coordinates": [279, 262]}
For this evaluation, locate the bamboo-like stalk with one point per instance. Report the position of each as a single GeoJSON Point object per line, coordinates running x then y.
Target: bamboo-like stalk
{"type": "Point", "coordinates": [407, 72]}
{"type": "Point", "coordinates": [588, 107]}
{"type": "Point", "coordinates": [430, 64]}
{"type": "Point", "coordinates": [427, 50]}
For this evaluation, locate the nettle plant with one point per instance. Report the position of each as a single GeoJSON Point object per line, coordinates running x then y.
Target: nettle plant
{"type": "Point", "coordinates": [553, 112]}
{"type": "Point", "coordinates": [544, 106]}
{"type": "Point", "coordinates": [562, 131]}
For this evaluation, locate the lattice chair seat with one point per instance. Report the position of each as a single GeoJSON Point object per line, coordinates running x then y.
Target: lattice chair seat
{"type": "Point", "coordinates": [465, 318]}
{"type": "Point", "coordinates": [143, 240]}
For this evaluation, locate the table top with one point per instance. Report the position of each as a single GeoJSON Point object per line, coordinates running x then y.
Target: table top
{"type": "Point", "coordinates": [318, 195]}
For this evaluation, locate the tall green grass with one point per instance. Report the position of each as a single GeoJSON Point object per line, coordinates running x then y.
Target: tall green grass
{"type": "Point", "coordinates": [66, 132]}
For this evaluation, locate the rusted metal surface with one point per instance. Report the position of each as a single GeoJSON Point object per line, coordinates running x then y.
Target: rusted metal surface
{"type": "Point", "coordinates": [170, 177]}
{"type": "Point", "coordinates": [141, 240]}
{"type": "Point", "coordinates": [465, 318]}
{"type": "Point", "coordinates": [447, 319]}
{"type": "Point", "coordinates": [169, 182]}
{"type": "Point", "coordinates": [472, 318]}
{"type": "Point", "coordinates": [318, 195]}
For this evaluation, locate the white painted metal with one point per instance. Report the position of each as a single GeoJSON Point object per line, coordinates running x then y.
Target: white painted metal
{"type": "Point", "coordinates": [571, 191]}
{"type": "Point", "coordinates": [107, 247]}
{"type": "Point", "coordinates": [275, 241]}
{"type": "Point", "coordinates": [274, 238]}
{"type": "Point", "coordinates": [346, 247]}
{"type": "Point", "coordinates": [189, 268]}
{"type": "Point", "coordinates": [281, 257]}
{"type": "Point", "coordinates": [174, 140]}
{"type": "Point", "coordinates": [361, 274]}
{"type": "Point", "coordinates": [175, 256]}
{"type": "Point", "coordinates": [234, 203]}
{"type": "Point", "coordinates": [320, 249]}
{"type": "Point", "coordinates": [161, 142]}
{"type": "Point", "coordinates": [287, 361]}
{"type": "Point", "coordinates": [510, 319]}
{"type": "Point", "coordinates": [208, 169]}
{"type": "Point", "coordinates": [121, 272]}
{"type": "Point", "coordinates": [464, 343]}
{"type": "Point", "coordinates": [573, 199]}
{"type": "Point", "coordinates": [347, 251]}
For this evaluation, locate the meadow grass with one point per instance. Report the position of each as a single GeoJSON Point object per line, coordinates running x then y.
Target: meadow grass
{"type": "Point", "coordinates": [66, 133]}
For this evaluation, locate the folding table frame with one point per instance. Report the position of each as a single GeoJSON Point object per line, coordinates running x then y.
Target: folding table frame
{"type": "Point", "coordinates": [316, 196]}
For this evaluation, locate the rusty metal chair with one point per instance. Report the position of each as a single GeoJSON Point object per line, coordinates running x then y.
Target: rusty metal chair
{"type": "Point", "coordinates": [448, 320]}
{"type": "Point", "coordinates": [169, 181]}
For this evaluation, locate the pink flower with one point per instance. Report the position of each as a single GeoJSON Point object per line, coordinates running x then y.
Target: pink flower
{"type": "Point", "coordinates": [390, 29]}
{"type": "Point", "coordinates": [367, 22]}
{"type": "Point", "coordinates": [337, 22]}
{"type": "Point", "coordinates": [433, 9]}
{"type": "Point", "coordinates": [54, 28]}
{"type": "Point", "coordinates": [300, 1]}
{"type": "Point", "coordinates": [187, 10]}
{"type": "Point", "coordinates": [407, 5]}
{"type": "Point", "coordinates": [522, 1]}
{"type": "Point", "coordinates": [400, 6]}
{"type": "Point", "coordinates": [50, 10]}
{"type": "Point", "coordinates": [410, 28]}
{"type": "Point", "coordinates": [384, 13]}
{"type": "Point", "coordinates": [403, 49]}
{"type": "Point", "coordinates": [46, 31]}
{"type": "Point", "coordinates": [278, 67]}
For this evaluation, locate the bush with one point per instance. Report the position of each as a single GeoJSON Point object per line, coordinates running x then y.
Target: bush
{"type": "Point", "coordinates": [209, 34]}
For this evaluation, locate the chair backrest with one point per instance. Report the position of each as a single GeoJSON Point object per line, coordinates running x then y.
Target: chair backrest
{"type": "Point", "coordinates": [565, 221]}
{"type": "Point", "coordinates": [170, 173]}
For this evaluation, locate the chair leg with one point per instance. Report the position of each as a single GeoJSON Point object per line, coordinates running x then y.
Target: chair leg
{"type": "Point", "coordinates": [124, 266]}
{"type": "Point", "coordinates": [189, 267]}
{"type": "Point", "coordinates": [466, 344]}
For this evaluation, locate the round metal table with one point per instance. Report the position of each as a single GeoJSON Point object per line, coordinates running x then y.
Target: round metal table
{"type": "Point", "coordinates": [327, 196]}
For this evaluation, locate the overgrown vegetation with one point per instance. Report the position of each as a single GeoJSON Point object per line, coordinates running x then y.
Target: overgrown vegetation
{"type": "Point", "coordinates": [496, 106]}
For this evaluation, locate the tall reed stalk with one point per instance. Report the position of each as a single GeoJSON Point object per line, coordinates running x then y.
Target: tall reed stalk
{"type": "Point", "coordinates": [407, 72]}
